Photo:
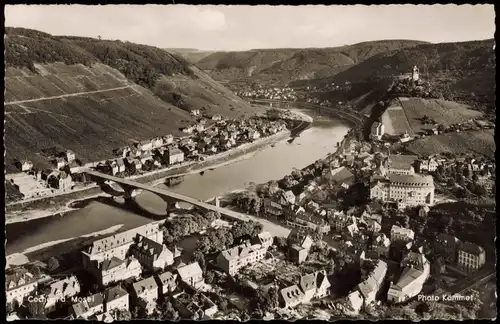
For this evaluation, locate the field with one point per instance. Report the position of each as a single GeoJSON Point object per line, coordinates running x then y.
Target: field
{"type": "Point", "coordinates": [88, 121]}
{"type": "Point", "coordinates": [405, 114]}
{"type": "Point", "coordinates": [442, 111]}
{"type": "Point", "coordinates": [395, 121]}
{"type": "Point", "coordinates": [474, 142]}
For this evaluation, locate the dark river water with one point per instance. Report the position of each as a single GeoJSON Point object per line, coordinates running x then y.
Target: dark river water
{"type": "Point", "coordinates": [271, 163]}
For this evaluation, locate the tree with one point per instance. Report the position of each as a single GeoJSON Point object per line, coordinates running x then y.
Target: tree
{"type": "Point", "coordinates": [123, 315]}
{"type": "Point", "coordinates": [475, 177]}
{"type": "Point", "coordinates": [210, 277]}
{"type": "Point", "coordinates": [52, 264]}
{"type": "Point", "coordinates": [200, 258]}
{"type": "Point", "coordinates": [280, 242]}
{"type": "Point", "coordinates": [168, 311]}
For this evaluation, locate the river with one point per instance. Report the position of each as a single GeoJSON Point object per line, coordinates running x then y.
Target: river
{"type": "Point", "coordinates": [270, 163]}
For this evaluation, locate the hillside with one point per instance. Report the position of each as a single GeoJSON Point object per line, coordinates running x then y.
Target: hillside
{"type": "Point", "coordinates": [191, 55]}
{"type": "Point", "coordinates": [405, 114]}
{"type": "Point", "coordinates": [286, 65]}
{"type": "Point", "coordinates": [92, 96]}
{"type": "Point", "coordinates": [463, 72]}
{"type": "Point", "coordinates": [473, 142]}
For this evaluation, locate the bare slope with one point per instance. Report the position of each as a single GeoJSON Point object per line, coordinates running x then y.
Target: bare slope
{"type": "Point", "coordinates": [285, 65]}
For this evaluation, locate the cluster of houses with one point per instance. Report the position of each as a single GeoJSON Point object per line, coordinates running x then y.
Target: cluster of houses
{"type": "Point", "coordinates": [272, 93]}
{"type": "Point", "coordinates": [34, 183]}
{"type": "Point", "coordinates": [202, 140]}
{"type": "Point", "coordinates": [468, 257]}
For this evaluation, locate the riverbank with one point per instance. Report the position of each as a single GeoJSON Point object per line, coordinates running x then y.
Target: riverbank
{"type": "Point", "coordinates": [270, 163]}
{"type": "Point", "coordinates": [61, 204]}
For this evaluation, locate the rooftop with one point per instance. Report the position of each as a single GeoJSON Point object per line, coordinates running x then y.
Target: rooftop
{"type": "Point", "coordinates": [189, 270]}
{"type": "Point", "coordinates": [113, 293]}
{"type": "Point", "coordinates": [471, 248]}
{"type": "Point", "coordinates": [412, 180]}
{"type": "Point", "coordinates": [144, 285]}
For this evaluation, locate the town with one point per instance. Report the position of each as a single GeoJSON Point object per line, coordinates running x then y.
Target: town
{"type": "Point", "coordinates": [217, 163]}
{"type": "Point", "coordinates": [366, 235]}
{"type": "Point", "coordinates": [205, 140]}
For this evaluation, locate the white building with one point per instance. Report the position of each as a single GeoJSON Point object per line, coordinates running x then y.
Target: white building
{"type": "Point", "coordinates": [401, 234]}
{"type": "Point", "coordinates": [118, 245]}
{"type": "Point", "coordinates": [192, 275]}
{"type": "Point", "coordinates": [415, 74]}
{"type": "Point", "coordinates": [471, 257]}
{"type": "Point", "coordinates": [60, 289]}
{"type": "Point", "coordinates": [167, 282]}
{"type": "Point", "coordinates": [412, 190]}
{"type": "Point", "coordinates": [89, 306]}
{"type": "Point", "coordinates": [370, 287]}
{"type": "Point", "coordinates": [233, 259]}
{"type": "Point", "coordinates": [26, 165]}
{"type": "Point", "coordinates": [116, 298]}
{"type": "Point", "coordinates": [146, 294]}
{"type": "Point", "coordinates": [19, 283]}
{"type": "Point", "coordinates": [150, 254]}
{"type": "Point", "coordinates": [415, 273]}
{"type": "Point", "coordinates": [174, 155]}
{"type": "Point", "coordinates": [377, 130]}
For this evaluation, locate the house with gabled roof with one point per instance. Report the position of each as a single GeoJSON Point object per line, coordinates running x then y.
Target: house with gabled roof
{"type": "Point", "coordinates": [167, 282]}
{"type": "Point", "coordinates": [192, 275]}
{"type": "Point", "coordinates": [299, 245]}
{"type": "Point", "coordinates": [116, 298]}
{"type": "Point", "coordinates": [372, 284]}
{"type": "Point", "coordinates": [291, 296]}
{"type": "Point", "coordinates": [265, 239]}
{"type": "Point", "coordinates": [59, 290]}
{"type": "Point", "coordinates": [19, 283]}
{"type": "Point", "coordinates": [89, 306]}
{"type": "Point", "coordinates": [410, 283]}
{"type": "Point", "coordinates": [231, 260]}
{"type": "Point", "coordinates": [287, 198]}
{"type": "Point", "coordinates": [115, 270]}
{"type": "Point", "coordinates": [151, 255]}
{"type": "Point", "coordinates": [145, 294]}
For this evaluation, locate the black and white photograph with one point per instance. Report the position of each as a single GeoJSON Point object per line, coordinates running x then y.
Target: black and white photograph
{"type": "Point", "coordinates": [250, 162]}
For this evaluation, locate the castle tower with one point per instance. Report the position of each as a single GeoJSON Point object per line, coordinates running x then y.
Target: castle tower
{"type": "Point", "coordinates": [415, 74]}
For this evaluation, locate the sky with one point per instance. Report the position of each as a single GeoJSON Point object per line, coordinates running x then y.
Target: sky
{"type": "Point", "coordinates": [250, 27]}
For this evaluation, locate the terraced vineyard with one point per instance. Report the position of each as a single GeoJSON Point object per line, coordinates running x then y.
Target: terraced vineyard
{"type": "Point", "coordinates": [97, 111]}
{"type": "Point", "coordinates": [442, 111]}
{"type": "Point", "coordinates": [473, 142]}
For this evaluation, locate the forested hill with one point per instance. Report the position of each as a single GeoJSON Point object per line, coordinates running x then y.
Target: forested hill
{"type": "Point", "coordinates": [285, 65]}
{"type": "Point", "coordinates": [463, 72]}
{"type": "Point", "coordinates": [92, 95]}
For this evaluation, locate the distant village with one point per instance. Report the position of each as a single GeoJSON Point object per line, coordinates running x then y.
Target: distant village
{"type": "Point", "coordinates": [207, 137]}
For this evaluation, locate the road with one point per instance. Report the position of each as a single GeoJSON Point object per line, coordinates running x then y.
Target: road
{"type": "Point", "coordinates": [64, 96]}
{"type": "Point", "coordinates": [469, 282]}
{"type": "Point", "coordinates": [274, 229]}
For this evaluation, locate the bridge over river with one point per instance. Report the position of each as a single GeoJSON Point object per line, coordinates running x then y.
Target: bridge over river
{"type": "Point", "coordinates": [132, 188]}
